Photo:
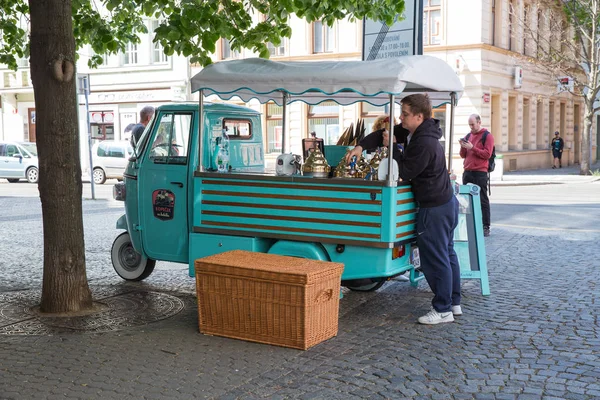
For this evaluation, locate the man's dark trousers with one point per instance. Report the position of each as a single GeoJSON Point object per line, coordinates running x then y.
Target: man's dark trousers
{"type": "Point", "coordinates": [480, 179]}
{"type": "Point", "coordinates": [435, 238]}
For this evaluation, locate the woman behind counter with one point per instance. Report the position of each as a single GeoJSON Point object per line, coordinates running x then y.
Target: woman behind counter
{"type": "Point", "coordinates": [380, 135]}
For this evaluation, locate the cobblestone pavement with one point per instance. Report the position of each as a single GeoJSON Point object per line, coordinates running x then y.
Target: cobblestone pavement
{"type": "Point", "coordinates": [536, 336]}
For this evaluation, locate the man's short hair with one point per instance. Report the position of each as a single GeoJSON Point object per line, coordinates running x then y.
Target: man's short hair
{"type": "Point", "coordinates": [477, 117]}
{"type": "Point", "coordinates": [146, 113]}
{"type": "Point", "coordinates": [418, 104]}
{"type": "Point", "coordinates": [556, 133]}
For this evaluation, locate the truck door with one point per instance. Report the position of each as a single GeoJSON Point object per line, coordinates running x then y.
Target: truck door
{"type": "Point", "coordinates": [163, 180]}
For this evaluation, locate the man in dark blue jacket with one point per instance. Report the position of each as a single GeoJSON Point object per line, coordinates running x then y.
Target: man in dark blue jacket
{"type": "Point", "coordinates": [423, 164]}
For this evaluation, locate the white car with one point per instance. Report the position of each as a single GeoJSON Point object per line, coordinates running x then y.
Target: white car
{"type": "Point", "coordinates": [18, 160]}
{"type": "Point", "coordinates": [109, 159]}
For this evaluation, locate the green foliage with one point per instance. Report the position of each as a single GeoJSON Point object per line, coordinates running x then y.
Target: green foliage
{"type": "Point", "coordinates": [188, 27]}
{"type": "Point", "coordinates": [14, 43]}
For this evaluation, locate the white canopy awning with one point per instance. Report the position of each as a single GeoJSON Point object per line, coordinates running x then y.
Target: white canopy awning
{"type": "Point", "coordinates": [345, 82]}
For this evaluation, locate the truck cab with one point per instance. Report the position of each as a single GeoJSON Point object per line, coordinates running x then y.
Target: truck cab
{"type": "Point", "coordinates": [159, 177]}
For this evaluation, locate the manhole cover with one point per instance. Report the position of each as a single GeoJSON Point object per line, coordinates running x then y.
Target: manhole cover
{"type": "Point", "coordinates": [122, 308]}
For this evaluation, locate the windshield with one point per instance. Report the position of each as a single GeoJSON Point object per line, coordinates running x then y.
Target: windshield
{"type": "Point", "coordinates": [141, 144]}
{"type": "Point", "coordinates": [30, 147]}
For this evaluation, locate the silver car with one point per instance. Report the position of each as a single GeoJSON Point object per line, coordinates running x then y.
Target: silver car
{"type": "Point", "coordinates": [110, 159]}
{"type": "Point", "coordinates": [18, 160]}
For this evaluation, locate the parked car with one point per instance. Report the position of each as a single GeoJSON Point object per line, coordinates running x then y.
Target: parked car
{"type": "Point", "coordinates": [109, 159]}
{"type": "Point", "coordinates": [18, 160]}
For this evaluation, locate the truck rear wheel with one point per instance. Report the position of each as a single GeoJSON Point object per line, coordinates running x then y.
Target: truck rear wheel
{"type": "Point", "coordinates": [128, 263]}
{"type": "Point", "coordinates": [363, 285]}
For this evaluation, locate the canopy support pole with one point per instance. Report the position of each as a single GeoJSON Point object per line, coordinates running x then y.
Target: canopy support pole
{"type": "Point", "coordinates": [283, 123]}
{"type": "Point", "coordinates": [390, 174]}
{"type": "Point", "coordinates": [450, 138]}
{"type": "Point", "coordinates": [201, 130]}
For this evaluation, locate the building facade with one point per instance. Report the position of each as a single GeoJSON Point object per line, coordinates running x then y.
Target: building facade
{"type": "Point", "coordinates": [481, 39]}
{"type": "Point", "coordinates": [494, 53]}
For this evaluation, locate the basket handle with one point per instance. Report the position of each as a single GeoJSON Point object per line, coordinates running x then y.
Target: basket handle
{"type": "Point", "coordinates": [324, 295]}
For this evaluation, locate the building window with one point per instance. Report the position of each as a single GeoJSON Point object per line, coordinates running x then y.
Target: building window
{"type": "Point", "coordinates": [493, 23]}
{"type": "Point", "coordinates": [130, 57]}
{"type": "Point", "coordinates": [511, 17]}
{"type": "Point", "coordinates": [432, 22]}
{"type": "Point", "coordinates": [323, 37]}
{"type": "Point", "coordinates": [105, 60]}
{"type": "Point", "coordinates": [440, 114]}
{"type": "Point", "coordinates": [10, 79]}
{"type": "Point", "coordinates": [538, 32]}
{"type": "Point", "coordinates": [158, 53]}
{"type": "Point", "coordinates": [527, 26]}
{"type": "Point", "coordinates": [369, 114]}
{"type": "Point", "coordinates": [324, 120]}
{"type": "Point", "coordinates": [25, 81]}
{"type": "Point", "coordinates": [564, 34]}
{"type": "Point", "coordinates": [23, 62]}
{"type": "Point", "coordinates": [226, 51]}
{"type": "Point", "coordinates": [276, 50]}
{"type": "Point", "coordinates": [274, 127]}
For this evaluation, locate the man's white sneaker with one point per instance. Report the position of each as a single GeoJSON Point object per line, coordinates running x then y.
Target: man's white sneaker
{"type": "Point", "coordinates": [433, 318]}
{"type": "Point", "coordinates": [456, 311]}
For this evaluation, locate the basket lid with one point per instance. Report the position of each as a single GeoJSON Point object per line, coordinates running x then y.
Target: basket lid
{"type": "Point", "coordinates": [269, 267]}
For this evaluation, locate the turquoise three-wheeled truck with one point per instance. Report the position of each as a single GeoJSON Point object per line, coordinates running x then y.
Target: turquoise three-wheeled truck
{"type": "Point", "coordinates": [181, 204]}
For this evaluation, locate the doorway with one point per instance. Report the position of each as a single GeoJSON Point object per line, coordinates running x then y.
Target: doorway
{"type": "Point", "coordinates": [496, 126]}
{"type": "Point", "coordinates": [539, 126]}
{"type": "Point", "coordinates": [526, 124]}
{"type": "Point", "coordinates": [31, 119]}
{"type": "Point", "coordinates": [551, 122]}
{"type": "Point", "coordinates": [597, 137]}
{"type": "Point", "coordinates": [512, 123]}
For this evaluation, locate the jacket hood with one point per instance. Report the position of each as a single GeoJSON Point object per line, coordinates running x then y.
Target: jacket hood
{"type": "Point", "coordinates": [429, 127]}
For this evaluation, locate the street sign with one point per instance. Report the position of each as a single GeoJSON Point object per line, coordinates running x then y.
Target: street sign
{"type": "Point", "coordinates": [403, 38]}
{"type": "Point", "coordinates": [565, 84]}
{"type": "Point", "coordinates": [83, 84]}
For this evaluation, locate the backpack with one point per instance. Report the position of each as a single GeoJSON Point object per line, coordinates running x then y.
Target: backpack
{"type": "Point", "coordinates": [492, 159]}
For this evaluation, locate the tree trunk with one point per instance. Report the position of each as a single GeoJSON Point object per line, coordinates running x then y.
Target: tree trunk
{"type": "Point", "coordinates": [585, 157]}
{"type": "Point", "coordinates": [65, 287]}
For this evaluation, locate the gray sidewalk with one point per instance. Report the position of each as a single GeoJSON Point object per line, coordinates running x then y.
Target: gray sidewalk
{"type": "Point", "coordinates": [545, 176]}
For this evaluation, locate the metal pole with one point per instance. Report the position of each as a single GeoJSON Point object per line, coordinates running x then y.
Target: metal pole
{"type": "Point", "coordinates": [283, 123]}
{"type": "Point", "coordinates": [451, 134]}
{"type": "Point", "coordinates": [201, 131]}
{"type": "Point", "coordinates": [390, 176]}
{"type": "Point", "coordinates": [89, 129]}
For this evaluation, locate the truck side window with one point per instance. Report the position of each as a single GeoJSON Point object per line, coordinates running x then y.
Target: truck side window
{"type": "Point", "coordinates": [171, 141]}
{"type": "Point", "coordinates": [238, 128]}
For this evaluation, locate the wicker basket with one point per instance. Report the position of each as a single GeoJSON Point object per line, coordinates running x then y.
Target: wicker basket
{"type": "Point", "coordinates": [267, 298]}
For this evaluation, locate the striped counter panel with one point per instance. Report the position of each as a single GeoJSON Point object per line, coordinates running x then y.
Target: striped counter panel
{"type": "Point", "coordinates": [344, 213]}
{"type": "Point", "coordinates": [406, 214]}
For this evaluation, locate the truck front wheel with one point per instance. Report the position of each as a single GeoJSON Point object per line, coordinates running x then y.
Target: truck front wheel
{"type": "Point", "coordinates": [128, 263]}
